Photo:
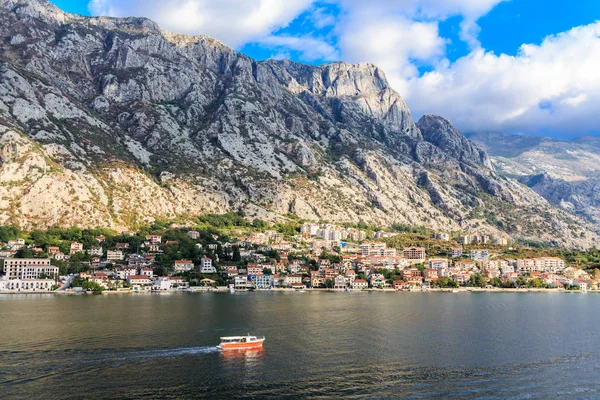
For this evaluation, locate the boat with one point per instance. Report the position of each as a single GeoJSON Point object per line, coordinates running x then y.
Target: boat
{"type": "Point", "coordinates": [241, 342]}
{"type": "Point", "coordinates": [231, 289]}
{"type": "Point", "coordinates": [454, 291]}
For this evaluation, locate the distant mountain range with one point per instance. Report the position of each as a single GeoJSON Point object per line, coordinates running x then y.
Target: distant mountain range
{"type": "Point", "coordinates": [115, 122]}
{"type": "Point", "coordinates": [565, 172]}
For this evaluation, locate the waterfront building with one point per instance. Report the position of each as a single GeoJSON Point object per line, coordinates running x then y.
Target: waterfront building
{"type": "Point", "coordinates": [28, 268]}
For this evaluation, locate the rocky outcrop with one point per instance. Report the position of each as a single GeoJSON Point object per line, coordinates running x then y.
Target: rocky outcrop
{"type": "Point", "coordinates": [109, 121]}
{"type": "Point", "coordinates": [444, 135]}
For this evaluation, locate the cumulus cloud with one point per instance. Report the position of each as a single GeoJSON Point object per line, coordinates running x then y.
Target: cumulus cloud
{"type": "Point", "coordinates": [553, 86]}
{"type": "Point", "coordinates": [235, 22]}
{"type": "Point", "coordinates": [310, 48]}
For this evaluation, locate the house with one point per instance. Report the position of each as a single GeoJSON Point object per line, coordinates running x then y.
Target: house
{"type": "Point", "coordinates": [359, 284]}
{"type": "Point", "coordinates": [289, 280]}
{"type": "Point", "coordinates": [114, 255]}
{"type": "Point", "coordinates": [350, 276]}
{"type": "Point", "coordinates": [377, 280]}
{"type": "Point", "coordinates": [122, 246]}
{"type": "Point", "coordinates": [255, 269]}
{"type": "Point", "coordinates": [16, 244]}
{"type": "Point", "coordinates": [456, 252]}
{"type": "Point", "coordinates": [262, 281]}
{"type": "Point", "coordinates": [414, 254]}
{"type": "Point", "coordinates": [206, 266]}
{"type": "Point", "coordinates": [154, 239]}
{"type": "Point", "coordinates": [398, 285]}
{"type": "Point", "coordinates": [96, 251]}
{"type": "Point", "coordinates": [183, 265]}
{"type": "Point", "coordinates": [232, 272]}
{"type": "Point", "coordinates": [124, 272]}
{"type": "Point", "coordinates": [431, 274]}
{"type": "Point", "coordinates": [53, 250]}
{"type": "Point", "coordinates": [241, 282]}
{"type": "Point", "coordinates": [100, 239]}
{"type": "Point", "coordinates": [147, 272]}
{"type": "Point", "coordinates": [76, 247]}
{"type": "Point", "coordinates": [193, 234]}
{"type": "Point", "coordinates": [339, 282]}
{"type": "Point", "coordinates": [438, 263]}
{"type": "Point", "coordinates": [480, 255]}
{"type": "Point", "coordinates": [139, 280]}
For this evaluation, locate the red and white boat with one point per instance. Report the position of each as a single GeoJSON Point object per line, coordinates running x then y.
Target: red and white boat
{"type": "Point", "coordinates": [241, 342]}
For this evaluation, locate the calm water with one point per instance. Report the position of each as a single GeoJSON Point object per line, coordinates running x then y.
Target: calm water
{"type": "Point", "coordinates": [374, 345]}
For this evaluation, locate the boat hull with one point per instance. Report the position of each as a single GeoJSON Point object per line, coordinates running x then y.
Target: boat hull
{"type": "Point", "coordinates": [241, 346]}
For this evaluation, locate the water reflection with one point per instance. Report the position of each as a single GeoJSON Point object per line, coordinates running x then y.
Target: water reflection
{"type": "Point", "coordinates": [247, 357]}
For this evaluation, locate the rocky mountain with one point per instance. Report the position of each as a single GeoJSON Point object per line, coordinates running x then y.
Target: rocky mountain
{"type": "Point", "coordinates": [116, 122]}
{"type": "Point", "coordinates": [565, 172]}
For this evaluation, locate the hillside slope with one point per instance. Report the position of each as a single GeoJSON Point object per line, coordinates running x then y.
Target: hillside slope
{"type": "Point", "coordinates": [115, 122]}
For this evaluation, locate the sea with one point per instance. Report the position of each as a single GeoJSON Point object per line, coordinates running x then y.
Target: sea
{"type": "Point", "coordinates": [368, 345]}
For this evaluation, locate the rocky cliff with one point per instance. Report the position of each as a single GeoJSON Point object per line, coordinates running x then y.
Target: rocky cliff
{"type": "Point", "coordinates": [115, 122]}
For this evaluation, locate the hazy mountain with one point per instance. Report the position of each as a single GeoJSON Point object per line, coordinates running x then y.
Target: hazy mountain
{"type": "Point", "coordinates": [107, 121]}
{"type": "Point", "coordinates": [566, 172]}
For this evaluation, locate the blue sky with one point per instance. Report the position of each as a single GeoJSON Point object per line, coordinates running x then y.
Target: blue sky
{"type": "Point", "coordinates": [524, 66]}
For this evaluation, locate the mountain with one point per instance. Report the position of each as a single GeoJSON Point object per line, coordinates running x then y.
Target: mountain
{"type": "Point", "coordinates": [565, 172]}
{"type": "Point", "coordinates": [115, 122]}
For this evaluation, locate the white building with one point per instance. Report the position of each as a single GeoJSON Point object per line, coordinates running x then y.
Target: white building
{"type": "Point", "coordinates": [26, 285]}
{"type": "Point", "coordinates": [114, 255]}
{"type": "Point", "coordinates": [206, 266]}
{"type": "Point", "coordinates": [480, 255]}
{"type": "Point", "coordinates": [183, 265]}
{"type": "Point", "coordinates": [28, 268]}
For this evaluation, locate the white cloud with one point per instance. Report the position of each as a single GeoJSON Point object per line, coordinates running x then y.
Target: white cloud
{"type": "Point", "coordinates": [235, 22]}
{"type": "Point", "coordinates": [551, 86]}
{"type": "Point", "coordinates": [310, 48]}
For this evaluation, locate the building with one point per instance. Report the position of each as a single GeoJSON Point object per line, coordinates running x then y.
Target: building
{"type": "Point", "coordinates": [29, 268]}
{"type": "Point", "coordinates": [183, 265]}
{"type": "Point", "coordinates": [76, 247]}
{"type": "Point", "coordinates": [456, 252]}
{"type": "Point", "coordinates": [206, 266]}
{"type": "Point", "coordinates": [193, 234]}
{"type": "Point", "coordinates": [360, 284]}
{"type": "Point", "coordinates": [480, 255]}
{"type": "Point", "coordinates": [262, 281]}
{"type": "Point", "coordinates": [445, 237]}
{"type": "Point", "coordinates": [241, 282]}
{"type": "Point", "coordinates": [147, 272]}
{"type": "Point", "coordinates": [414, 254]}
{"type": "Point", "coordinates": [114, 255]}
{"type": "Point", "coordinates": [438, 263]}
{"type": "Point", "coordinates": [154, 239]}
{"type": "Point", "coordinates": [139, 280]}
{"type": "Point", "coordinates": [96, 251]}
{"type": "Point", "coordinates": [27, 285]}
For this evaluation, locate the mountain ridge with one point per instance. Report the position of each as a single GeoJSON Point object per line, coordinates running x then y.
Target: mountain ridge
{"type": "Point", "coordinates": [117, 122]}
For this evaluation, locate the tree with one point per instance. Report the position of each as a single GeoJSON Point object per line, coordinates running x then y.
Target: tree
{"type": "Point", "coordinates": [477, 280]}
{"type": "Point", "coordinates": [496, 282]}
{"type": "Point", "coordinates": [329, 283]}
{"type": "Point", "coordinates": [237, 257]}
{"type": "Point", "coordinates": [267, 271]}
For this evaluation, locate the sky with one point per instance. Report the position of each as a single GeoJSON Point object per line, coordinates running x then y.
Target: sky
{"type": "Point", "coordinates": [518, 66]}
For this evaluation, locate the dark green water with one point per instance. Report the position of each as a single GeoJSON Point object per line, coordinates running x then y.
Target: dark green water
{"type": "Point", "coordinates": [363, 345]}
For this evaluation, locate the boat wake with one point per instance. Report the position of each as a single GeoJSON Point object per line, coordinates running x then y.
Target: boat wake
{"type": "Point", "coordinates": [176, 352]}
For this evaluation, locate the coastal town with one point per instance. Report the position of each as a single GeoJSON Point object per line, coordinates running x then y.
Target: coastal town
{"type": "Point", "coordinates": [310, 256]}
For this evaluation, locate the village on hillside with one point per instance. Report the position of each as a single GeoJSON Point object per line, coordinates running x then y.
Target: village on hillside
{"type": "Point", "coordinates": [310, 256]}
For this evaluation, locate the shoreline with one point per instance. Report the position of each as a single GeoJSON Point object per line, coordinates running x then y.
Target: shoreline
{"type": "Point", "coordinates": [308, 290]}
